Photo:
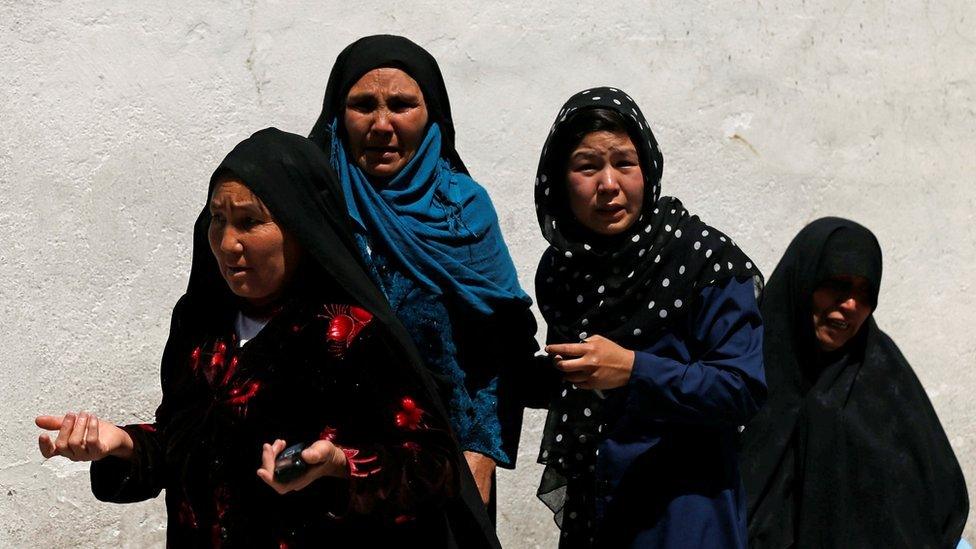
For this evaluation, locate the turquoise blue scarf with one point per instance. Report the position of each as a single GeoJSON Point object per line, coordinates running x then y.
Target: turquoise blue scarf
{"type": "Point", "coordinates": [439, 224]}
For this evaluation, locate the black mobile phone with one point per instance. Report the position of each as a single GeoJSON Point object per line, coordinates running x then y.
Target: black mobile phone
{"type": "Point", "coordinates": [289, 464]}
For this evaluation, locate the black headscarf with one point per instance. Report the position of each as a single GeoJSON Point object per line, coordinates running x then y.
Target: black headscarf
{"type": "Point", "coordinates": [384, 50]}
{"type": "Point", "coordinates": [293, 179]}
{"type": "Point", "coordinates": [848, 451]}
{"type": "Point", "coordinates": [631, 288]}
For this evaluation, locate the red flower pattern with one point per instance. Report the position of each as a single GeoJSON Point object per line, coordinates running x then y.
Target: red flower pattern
{"type": "Point", "coordinates": [329, 433]}
{"type": "Point", "coordinates": [410, 416]}
{"type": "Point", "coordinates": [220, 374]}
{"type": "Point", "coordinates": [345, 323]}
{"type": "Point", "coordinates": [360, 466]}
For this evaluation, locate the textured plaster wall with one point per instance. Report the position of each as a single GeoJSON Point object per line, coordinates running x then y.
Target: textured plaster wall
{"type": "Point", "coordinates": [113, 114]}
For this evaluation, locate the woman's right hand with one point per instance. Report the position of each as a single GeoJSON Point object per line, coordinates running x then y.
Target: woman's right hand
{"type": "Point", "coordinates": [83, 437]}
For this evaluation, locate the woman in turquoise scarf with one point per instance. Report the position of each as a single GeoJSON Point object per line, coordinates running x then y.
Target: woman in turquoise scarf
{"type": "Point", "coordinates": [429, 236]}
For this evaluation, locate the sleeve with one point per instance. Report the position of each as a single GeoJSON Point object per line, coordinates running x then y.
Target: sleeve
{"type": "Point", "coordinates": [142, 477]}
{"type": "Point", "coordinates": [716, 377]}
{"type": "Point", "coordinates": [494, 353]}
{"type": "Point", "coordinates": [401, 455]}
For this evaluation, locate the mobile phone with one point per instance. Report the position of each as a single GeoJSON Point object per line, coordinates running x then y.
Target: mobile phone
{"type": "Point", "coordinates": [289, 464]}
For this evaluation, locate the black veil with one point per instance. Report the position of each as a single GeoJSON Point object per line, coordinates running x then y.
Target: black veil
{"type": "Point", "coordinates": [848, 451]}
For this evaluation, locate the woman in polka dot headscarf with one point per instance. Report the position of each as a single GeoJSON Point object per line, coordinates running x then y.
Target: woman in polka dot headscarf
{"type": "Point", "coordinates": [656, 336]}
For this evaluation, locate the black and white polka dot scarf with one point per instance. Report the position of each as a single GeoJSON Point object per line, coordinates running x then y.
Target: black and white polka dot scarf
{"type": "Point", "coordinates": [631, 288]}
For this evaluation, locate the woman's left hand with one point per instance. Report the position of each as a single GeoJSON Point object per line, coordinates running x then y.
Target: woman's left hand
{"type": "Point", "coordinates": [596, 363]}
{"type": "Point", "coordinates": [324, 459]}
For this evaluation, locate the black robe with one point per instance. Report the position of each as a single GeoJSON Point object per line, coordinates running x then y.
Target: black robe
{"type": "Point", "coordinates": [333, 363]}
{"type": "Point", "coordinates": [848, 451]}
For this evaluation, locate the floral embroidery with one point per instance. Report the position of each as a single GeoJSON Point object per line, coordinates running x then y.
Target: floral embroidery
{"type": "Point", "coordinates": [410, 415]}
{"type": "Point", "coordinates": [329, 433]}
{"type": "Point", "coordinates": [220, 375]}
{"type": "Point", "coordinates": [345, 323]}
{"type": "Point", "coordinates": [360, 466]}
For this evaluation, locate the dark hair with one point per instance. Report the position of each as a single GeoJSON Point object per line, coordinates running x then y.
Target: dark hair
{"type": "Point", "coordinates": [579, 124]}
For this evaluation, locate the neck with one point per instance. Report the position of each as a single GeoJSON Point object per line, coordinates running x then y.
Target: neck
{"type": "Point", "coordinates": [261, 309]}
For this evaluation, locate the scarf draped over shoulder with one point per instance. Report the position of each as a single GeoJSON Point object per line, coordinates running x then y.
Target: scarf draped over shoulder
{"type": "Point", "coordinates": [436, 221]}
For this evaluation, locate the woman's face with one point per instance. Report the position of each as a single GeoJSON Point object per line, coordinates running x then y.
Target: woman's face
{"type": "Point", "coordinates": [605, 182]}
{"type": "Point", "coordinates": [840, 306]}
{"type": "Point", "coordinates": [255, 256]}
{"type": "Point", "coordinates": [385, 120]}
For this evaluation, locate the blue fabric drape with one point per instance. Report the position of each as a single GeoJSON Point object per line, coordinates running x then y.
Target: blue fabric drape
{"type": "Point", "coordinates": [438, 223]}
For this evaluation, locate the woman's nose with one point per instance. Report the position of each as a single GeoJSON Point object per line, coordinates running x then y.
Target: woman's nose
{"type": "Point", "coordinates": [230, 243]}
{"type": "Point", "coordinates": [849, 303]}
{"type": "Point", "coordinates": [607, 182]}
{"type": "Point", "coordinates": [382, 122]}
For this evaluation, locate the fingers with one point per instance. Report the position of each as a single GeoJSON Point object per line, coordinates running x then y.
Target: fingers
{"type": "Point", "coordinates": [47, 446]}
{"type": "Point", "coordinates": [567, 349]}
{"type": "Point", "coordinates": [78, 437]}
{"type": "Point", "coordinates": [276, 449]}
{"type": "Point", "coordinates": [91, 438]}
{"type": "Point", "coordinates": [76, 440]}
{"type": "Point", "coordinates": [266, 471]}
{"type": "Point", "coordinates": [267, 457]}
{"type": "Point", "coordinates": [50, 423]}
{"type": "Point", "coordinates": [61, 443]}
{"type": "Point", "coordinates": [574, 365]}
{"type": "Point", "coordinates": [318, 452]}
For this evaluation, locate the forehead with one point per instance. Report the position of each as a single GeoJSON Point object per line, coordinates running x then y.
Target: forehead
{"type": "Point", "coordinates": [605, 140]}
{"type": "Point", "coordinates": [386, 80]}
{"type": "Point", "coordinates": [232, 190]}
{"type": "Point", "coordinates": [853, 281]}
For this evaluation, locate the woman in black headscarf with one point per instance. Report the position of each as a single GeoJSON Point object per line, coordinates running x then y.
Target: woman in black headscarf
{"type": "Point", "coordinates": [430, 237]}
{"type": "Point", "coordinates": [656, 333]}
{"type": "Point", "coordinates": [282, 337]}
{"type": "Point", "coordinates": [848, 451]}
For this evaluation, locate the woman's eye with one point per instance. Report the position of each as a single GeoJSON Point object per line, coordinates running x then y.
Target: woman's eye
{"type": "Point", "coordinates": [362, 105]}
{"type": "Point", "coordinates": [251, 222]}
{"type": "Point", "coordinates": [401, 105]}
{"type": "Point", "coordinates": [216, 219]}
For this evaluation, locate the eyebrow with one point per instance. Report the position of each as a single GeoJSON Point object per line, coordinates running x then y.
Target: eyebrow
{"type": "Point", "coordinates": [368, 95]}
{"type": "Point", "coordinates": [587, 151]}
{"type": "Point", "coordinates": [249, 204]}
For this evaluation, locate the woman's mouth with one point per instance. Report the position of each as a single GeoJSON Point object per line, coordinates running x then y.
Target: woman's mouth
{"type": "Point", "coordinates": [382, 151]}
{"type": "Point", "coordinates": [609, 211]}
{"type": "Point", "coordinates": [236, 272]}
{"type": "Point", "coordinates": [837, 324]}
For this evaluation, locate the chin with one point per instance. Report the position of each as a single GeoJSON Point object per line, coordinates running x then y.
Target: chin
{"type": "Point", "coordinates": [387, 169]}
{"type": "Point", "coordinates": [831, 343]}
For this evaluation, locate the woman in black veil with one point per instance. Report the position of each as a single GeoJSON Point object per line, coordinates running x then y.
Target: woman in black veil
{"type": "Point", "coordinates": [281, 338]}
{"type": "Point", "coordinates": [848, 451]}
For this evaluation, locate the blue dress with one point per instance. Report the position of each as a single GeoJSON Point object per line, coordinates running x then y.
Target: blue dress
{"type": "Point", "coordinates": [462, 354]}
{"type": "Point", "coordinates": [667, 471]}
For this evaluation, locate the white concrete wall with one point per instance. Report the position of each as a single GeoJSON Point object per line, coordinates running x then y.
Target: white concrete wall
{"type": "Point", "coordinates": [770, 114]}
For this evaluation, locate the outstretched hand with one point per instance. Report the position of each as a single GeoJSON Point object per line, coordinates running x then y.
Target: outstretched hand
{"type": "Point", "coordinates": [324, 459]}
{"type": "Point", "coordinates": [82, 437]}
{"type": "Point", "coordinates": [596, 363]}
